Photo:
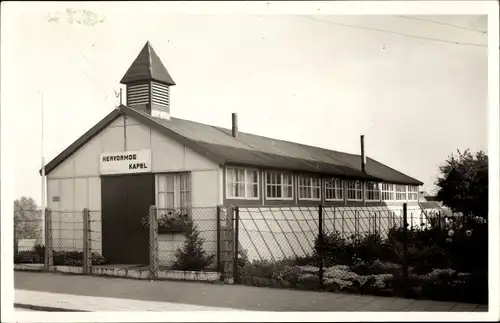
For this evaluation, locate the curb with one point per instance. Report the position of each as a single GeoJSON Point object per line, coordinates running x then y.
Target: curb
{"type": "Point", "coordinates": [45, 308]}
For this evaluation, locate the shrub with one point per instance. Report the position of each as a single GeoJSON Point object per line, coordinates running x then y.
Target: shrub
{"type": "Point", "coordinates": [61, 258]}
{"type": "Point", "coordinates": [192, 256]}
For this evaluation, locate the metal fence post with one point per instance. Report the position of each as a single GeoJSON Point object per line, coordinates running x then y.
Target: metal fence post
{"type": "Point", "coordinates": [405, 248]}
{"type": "Point", "coordinates": [16, 239]}
{"type": "Point", "coordinates": [236, 245]}
{"type": "Point", "coordinates": [218, 250]}
{"type": "Point", "coordinates": [334, 220]}
{"type": "Point", "coordinates": [153, 242]}
{"type": "Point", "coordinates": [49, 254]}
{"type": "Point", "coordinates": [321, 245]}
{"type": "Point", "coordinates": [87, 253]}
{"type": "Point", "coordinates": [356, 224]}
{"type": "Point", "coordinates": [343, 224]}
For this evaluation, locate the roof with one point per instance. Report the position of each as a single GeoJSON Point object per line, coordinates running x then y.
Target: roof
{"type": "Point", "coordinates": [430, 205]}
{"type": "Point", "coordinates": [219, 145]}
{"type": "Point", "coordinates": [146, 67]}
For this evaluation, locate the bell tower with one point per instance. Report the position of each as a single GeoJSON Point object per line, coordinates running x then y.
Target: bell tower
{"type": "Point", "coordinates": [148, 84]}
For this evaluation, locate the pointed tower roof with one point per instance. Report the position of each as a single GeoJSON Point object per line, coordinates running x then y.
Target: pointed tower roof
{"type": "Point", "coordinates": [147, 66]}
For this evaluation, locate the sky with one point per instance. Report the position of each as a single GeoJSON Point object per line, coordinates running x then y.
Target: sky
{"type": "Point", "coordinates": [315, 79]}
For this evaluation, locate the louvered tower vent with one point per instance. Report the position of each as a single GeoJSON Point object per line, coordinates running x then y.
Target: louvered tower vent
{"type": "Point", "coordinates": [148, 84]}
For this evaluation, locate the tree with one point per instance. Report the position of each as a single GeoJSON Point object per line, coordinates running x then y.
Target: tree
{"type": "Point", "coordinates": [192, 256]}
{"type": "Point", "coordinates": [463, 183]}
{"type": "Point", "coordinates": [27, 218]}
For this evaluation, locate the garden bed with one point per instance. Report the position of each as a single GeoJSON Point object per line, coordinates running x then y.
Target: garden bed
{"type": "Point", "coordinates": [446, 262]}
{"type": "Point", "coordinates": [380, 279]}
{"type": "Point", "coordinates": [61, 258]}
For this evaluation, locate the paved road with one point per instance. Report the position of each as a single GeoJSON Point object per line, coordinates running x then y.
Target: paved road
{"type": "Point", "coordinates": [227, 296]}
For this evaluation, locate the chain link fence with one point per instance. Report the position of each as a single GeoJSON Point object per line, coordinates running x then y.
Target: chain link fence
{"type": "Point", "coordinates": [187, 238]}
{"type": "Point", "coordinates": [378, 250]}
{"type": "Point", "coordinates": [58, 238]}
{"type": "Point", "coordinates": [28, 236]}
{"type": "Point", "coordinates": [383, 250]}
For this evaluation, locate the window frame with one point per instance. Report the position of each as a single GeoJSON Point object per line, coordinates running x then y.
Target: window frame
{"type": "Point", "coordinates": [411, 192]}
{"type": "Point", "coordinates": [247, 171]}
{"type": "Point", "coordinates": [391, 191]}
{"type": "Point", "coordinates": [311, 188]}
{"type": "Point", "coordinates": [177, 178]}
{"type": "Point", "coordinates": [396, 192]}
{"type": "Point", "coordinates": [355, 191]}
{"type": "Point", "coordinates": [334, 188]}
{"type": "Point", "coordinates": [376, 190]}
{"type": "Point", "coordinates": [282, 185]}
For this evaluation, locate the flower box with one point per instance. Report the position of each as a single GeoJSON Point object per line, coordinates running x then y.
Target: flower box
{"type": "Point", "coordinates": [178, 228]}
{"type": "Point", "coordinates": [172, 221]}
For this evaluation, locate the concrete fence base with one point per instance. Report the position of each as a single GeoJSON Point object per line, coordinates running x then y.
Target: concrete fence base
{"type": "Point", "coordinates": [127, 273]}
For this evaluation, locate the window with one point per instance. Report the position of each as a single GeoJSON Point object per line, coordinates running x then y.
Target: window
{"type": "Point", "coordinates": [174, 191]}
{"type": "Point", "coordinates": [372, 191]}
{"type": "Point", "coordinates": [401, 192]}
{"type": "Point", "coordinates": [354, 191]}
{"type": "Point", "coordinates": [309, 188]}
{"type": "Point", "coordinates": [387, 192]}
{"type": "Point", "coordinates": [412, 193]}
{"type": "Point", "coordinates": [279, 186]}
{"type": "Point", "coordinates": [334, 190]}
{"type": "Point", "coordinates": [242, 183]}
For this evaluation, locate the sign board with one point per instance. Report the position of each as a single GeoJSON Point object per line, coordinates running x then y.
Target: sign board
{"type": "Point", "coordinates": [125, 162]}
{"type": "Point", "coordinates": [56, 198]}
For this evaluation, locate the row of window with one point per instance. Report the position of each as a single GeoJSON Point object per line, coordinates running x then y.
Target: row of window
{"type": "Point", "coordinates": [244, 183]}
{"type": "Point", "coordinates": [174, 190]}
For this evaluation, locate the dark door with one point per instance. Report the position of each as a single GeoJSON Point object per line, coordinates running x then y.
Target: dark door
{"type": "Point", "coordinates": [125, 201]}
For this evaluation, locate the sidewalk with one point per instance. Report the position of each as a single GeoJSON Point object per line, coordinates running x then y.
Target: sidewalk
{"type": "Point", "coordinates": [43, 301]}
{"type": "Point", "coordinates": [220, 296]}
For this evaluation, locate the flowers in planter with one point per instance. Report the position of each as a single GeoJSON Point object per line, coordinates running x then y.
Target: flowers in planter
{"type": "Point", "coordinates": [172, 220]}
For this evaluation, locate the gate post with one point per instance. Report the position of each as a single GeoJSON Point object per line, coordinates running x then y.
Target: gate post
{"type": "Point", "coordinates": [218, 250]}
{"type": "Point", "coordinates": [16, 238]}
{"type": "Point", "coordinates": [153, 242]}
{"type": "Point", "coordinates": [236, 242]}
{"type": "Point", "coordinates": [87, 252]}
{"type": "Point", "coordinates": [227, 240]}
{"type": "Point", "coordinates": [321, 250]}
{"type": "Point", "coordinates": [49, 255]}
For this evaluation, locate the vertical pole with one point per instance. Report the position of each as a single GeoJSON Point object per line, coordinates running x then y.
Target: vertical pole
{"type": "Point", "coordinates": [42, 160]}
{"type": "Point", "coordinates": [321, 245]}
{"type": "Point", "coordinates": [218, 252]}
{"type": "Point", "coordinates": [87, 258]}
{"type": "Point", "coordinates": [356, 220]}
{"type": "Point", "coordinates": [16, 239]}
{"type": "Point", "coordinates": [153, 242]}
{"type": "Point", "coordinates": [49, 256]}
{"type": "Point", "coordinates": [405, 248]}
{"type": "Point", "coordinates": [85, 242]}
{"type": "Point", "coordinates": [343, 232]}
{"type": "Point", "coordinates": [369, 223]}
{"type": "Point", "coordinates": [334, 220]}
{"type": "Point", "coordinates": [236, 244]}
